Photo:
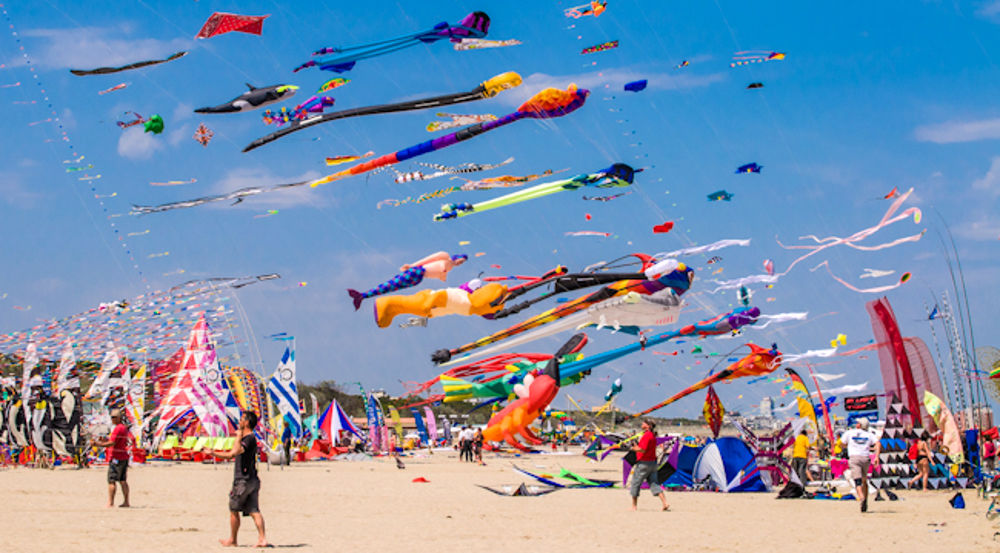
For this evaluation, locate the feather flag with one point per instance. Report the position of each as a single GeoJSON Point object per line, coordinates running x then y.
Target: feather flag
{"type": "Point", "coordinates": [418, 420]}
{"type": "Point", "coordinates": [944, 420]}
{"type": "Point", "coordinates": [397, 425]}
{"type": "Point", "coordinates": [28, 366]}
{"type": "Point", "coordinates": [99, 388]}
{"type": "Point", "coordinates": [68, 377]}
{"type": "Point", "coordinates": [135, 399]}
{"type": "Point", "coordinates": [431, 424]}
{"type": "Point", "coordinates": [714, 411]}
{"type": "Point", "coordinates": [281, 387]}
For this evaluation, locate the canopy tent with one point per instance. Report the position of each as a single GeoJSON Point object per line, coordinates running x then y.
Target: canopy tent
{"type": "Point", "coordinates": [730, 466]}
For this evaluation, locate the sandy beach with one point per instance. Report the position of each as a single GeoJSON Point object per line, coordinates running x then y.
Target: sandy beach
{"type": "Point", "coordinates": [368, 506]}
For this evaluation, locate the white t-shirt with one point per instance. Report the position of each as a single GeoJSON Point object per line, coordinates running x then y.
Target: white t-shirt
{"type": "Point", "coordinates": [467, 434]}
{"type": "Point", "coordinates": [859, 442]}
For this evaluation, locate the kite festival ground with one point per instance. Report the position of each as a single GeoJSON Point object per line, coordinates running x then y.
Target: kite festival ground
{"type": "Point", "coordinates": [369, 506]}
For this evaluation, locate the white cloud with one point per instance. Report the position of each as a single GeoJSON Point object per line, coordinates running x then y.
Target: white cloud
{"type": "Point", "coordinates": [983, 228]}
{"type": "Point", "coordinates": [176, 136]}
{"type": "Point", "coordinates": [989, 10]}
{"type": "Point", "coordinates": [263, 178]}
{"type": "Point", "coordinates": [990, 182]}
{"type": "Point", "coordinates": [182, 112]}
{"type": "Point", "coordinates": [136, 144]}
{"type": "Point", "coordinates": [595, 80]}
{"type": "Point", "coordinates": [15, 193]}
{"type": "Point", "coordinates": [90, 47]}
{"type": "Point", "coordinates": [959, 131]}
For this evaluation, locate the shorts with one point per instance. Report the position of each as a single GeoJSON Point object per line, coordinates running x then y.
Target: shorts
{"type": "Point", "coordinates": [859, 467]}
{"type": "Point", "coordinates": [117, 471]}
{"type": "Point", "coordinates": [644, 471]}
{"type": "Point", "coordinates": [243, 497]}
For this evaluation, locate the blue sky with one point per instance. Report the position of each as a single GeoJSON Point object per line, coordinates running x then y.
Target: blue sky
{"type": "Point", "coordinates": [894, 95]}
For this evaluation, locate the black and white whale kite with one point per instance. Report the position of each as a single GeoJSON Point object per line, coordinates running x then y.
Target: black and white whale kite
{"type": "Point", "coordinates": [253, 99]}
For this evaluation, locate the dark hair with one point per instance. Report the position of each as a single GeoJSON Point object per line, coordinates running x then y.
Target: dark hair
{"type": "Point", "coordinates": [251, 418]}
{"type": "Point", "coordinates": [651, 424]}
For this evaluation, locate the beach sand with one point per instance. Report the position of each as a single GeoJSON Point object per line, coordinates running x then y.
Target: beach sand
{"type": "Point", "coordinates": [368, 506]}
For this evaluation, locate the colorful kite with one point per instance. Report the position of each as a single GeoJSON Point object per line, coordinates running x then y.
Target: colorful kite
{"type": "Point", "coordinates": [713, 411]}
{"type": "Point", "coordinates": [547, 104]}
{"type": "Point", "coordinates": [479, 43]}
{"type": "Point", "coordinates": [220, 23]}
{"type": "Point", "coordinates": [607, 198]}
{"type": "Point", "coordinates": [486, 89]}
{"type": "Point", "coordinates": [618, 175]}
{"type": "Point", "coordinates": [600, 47]}
{"type": "Point", "coordinates": [118, 86]}
{"type": "Point", "coordinates": [253, 99]}
{"type": "Point", "coordinates": [749, 168]}
{"type": "Point", "coordinates": [436, 265]}
{"type": "Point", "coordinates": [759, 362]}
{"type": "Point", "coordinates": [875, 290]}
{"type": "Point", "coordinates": [154, 124]}
{"type": "Point", "coordinates": [337, 160]}
{"type": "Point", "coordinates": [587, 233]}
{"type": "Point", "coordinates": [720, 195]}
{"type": "Point", "coordinates": [664, 228]}
{"type": "Point", "coordinates": [504, 181]}
{"type": "Point", "coordinates": [684, 63]}
{"type": "Point", "coordinates": [332, 84]}
{"type": "Point", "coordinates": [203, 135]}
{"type": "Point", "coordinates": [315, 104]}
{"type": "Point", "coordinates": [456, 120]}
{"type": "Point", "coordinates": [755, 56]}
{"type": "Point", "coordinates": [136, 120]}
{"type": "Point", "coordinates": [594, 8]}
{"type": "Point", "coordinates": [474, 25]}
{"type": "Point", "coordinates": [136, 65]}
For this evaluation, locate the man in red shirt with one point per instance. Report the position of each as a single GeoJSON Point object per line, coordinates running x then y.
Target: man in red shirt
{"type": "Point", "coordinates": [645, 466]}
{"type": "Point", "coordinates": [117, 445]}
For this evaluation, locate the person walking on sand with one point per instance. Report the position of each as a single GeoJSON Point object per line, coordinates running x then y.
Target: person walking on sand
{"type": "Point", "coordinates": [117, 444]}
{"type": "Point", "coordinates": [921, 458]}
{"type": "Point", "coordinates": [477, 445]}
{"type": "Point", "coordinates": [246, 484]}
{"type": "Point", "coordinates": [859, 442]}
{"type": "Point", "coordinates": [800, 457]}
{"type": "Point", "coordinates": [645, 466]}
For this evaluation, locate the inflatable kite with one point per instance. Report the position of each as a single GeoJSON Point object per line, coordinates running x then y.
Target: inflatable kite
{"type": "Point", "coordinates": [456, 120]}
{"type": "Point", "coordinates": [654, 278]}
{"type": "Point", "coordinates": [547, 104]}
{"type": "Point", "coordinates": [486, 89]}
{"type": "Point", "coordinates": [594, 8]}
{"type": "Point", "coordinates": [755, 56]}
{"type": "Point", "coordinates": [437, 265]}
{"type": "Point", "coordinates": [618, 175]}
{"type": "Point", "coordinates": [479, 43]}
{"type": "Point", "coordinates": [154, 124]}
{"type": "Point", "coordinates": [203, 135]}
{"type": "Point", "coordinates": [315, 104]}
{"type": "Point", "coordinates": [504, 181]}
{"type": "Point", "coordinates": [220, 23]}
{"type": "Point", "coordinates": [608, 198]}
{"type": "Point", "coordinates": [332, 84]}
{"type": "Point", "coordinates": [474, 25]}
{"type": "Point", "coordinates": [471, 298]}
{"type": "Point", "coordinates": [136, 65]}
{"type": "Point", "coordinates": [759, 362]}
{"type": "Point", "coordinates": [749, 168]}
{"type": "Point", "coordinates": [636, 86]}
{"type": "Point", "coordinates": [534, 395]}
{"type": "Point", "coordinates": [721, 195]}
{"type": "Point", "coordinates": [754, 86]}
{"type": "Point", "coordinates": [600, 47]}
{"type": "Point", "coordinates": [616, 388]}
{"type": "Point", "coordinates": [253, 98]}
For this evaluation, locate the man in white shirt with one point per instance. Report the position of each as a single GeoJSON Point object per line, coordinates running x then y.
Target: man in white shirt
{"type": "Point", "coordinates": [859, 442]}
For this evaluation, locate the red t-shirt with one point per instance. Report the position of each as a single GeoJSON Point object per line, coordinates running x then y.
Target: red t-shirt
{"type": "Point", "coordinates": [119, 443]}
{"type": "Point", "coordinates": [989, 450]}
{"type": "Point", "coordinates": [648, 444]}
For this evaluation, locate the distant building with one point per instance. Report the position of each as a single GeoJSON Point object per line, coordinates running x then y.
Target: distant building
{"type": "Point", "coordinates": [767, 407]}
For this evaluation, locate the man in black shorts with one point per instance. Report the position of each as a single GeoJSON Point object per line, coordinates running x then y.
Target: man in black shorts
{"type": "Point", "coordinates": [246, 485]}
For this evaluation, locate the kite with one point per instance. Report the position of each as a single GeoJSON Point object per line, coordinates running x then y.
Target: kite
{"type": "Point", "coordinates": [684, 63]}
{"type": "Point", "coordinates": [851, 241]}
{"type": "Point", "coordinates": [714, 259]}
{"type": "Point", "coordinates": [474, 25]}
{"type": "Point", "coordinates": [618, 175]}
{"type": "Point", "coordinates": [486, 89]}
{"type": "Point", "coordinates": [839, 339]}
{"type": "Point", "coordinates": [755, 56]}
{"type": "Point", "coordinates": [458, 121]}
{"type": "Point", "coordinates": [266, 214]}
{"type": "Point", "coordinates": [203, 135]}
{"type": "Point", "coordinates": [479, 43]}
{"type": "Point", "coordinates": [437, 265]}
{"type": "Point", "coordinates": [471, 298]}
{"type": "Point", "coordinates": [253, 98]}
{"type": "Point", "coordinates": [504, 181]}
{"type": "Point", "coordinates": [173, 182]}
{"type": "Point", "coordinates": [609, 197]}
{"type": "Point", "coordinates": [137, 120]}
{"type": "Point", "coordinates": [136, 65]}
{"type": "Point", "coordinates": [80, 168]}
{"type": "Point", "coordinates": [236, 195]}
{"type": "Point", "coordinates": [616, 388]}
{"type": "Point", "coordinates": [587, 233]}
{"type": "Point", "coordinates": [337, 160]}
{"type": "Point", "coordinates": [714, 412]}
{"type": "Point", "coordinates": [754, 86]}
{"type": "Point", "coordinates": [655, 277]}
{"type": "Point", "coordinates": [876, 290]}
{"type": "Point", "coordinates": [769, 266]}
{"type": "Point", "coordinates": [546, 104]}
{"type": "Point", "coordinates": [600, 47]}
{"type": "Point", "coordinates": [414, 321]}
{"type": "Point", "coordinates": [594, 8]}
{"type": "Point", "coordinates": [636, 86]}
{"type": "Point", "coordinates": [664, 228]}
{"type": "Point", "coordinates": [220, 23]}
{"type": "Point", "coordinates": [443, 170]}
{"type": "Point", "coordinates": [749, 168]}
{"type": "Point", "coordinates": [520, 491]}
{"type": "Point", "coordinates": [315, 104]}
{"type": "Point", "coordinates": [118, 86]}
{"type": "Point", "coordinates": [154, 124]}
{"type": "Point", "coordinates": [892, 193]}
{"type": "Point", "coordinates": [875, 273]}
{"type": "Point", "coordinates": [759, 362]}
{"type": "Point", "coordinates": [628, 313]}
{"type": "Point", "coordinates": [332, 84]}
{"type": "Point", "coordinates": [533, 396]}
{"type": "Point", "coordinates": [720, 196]}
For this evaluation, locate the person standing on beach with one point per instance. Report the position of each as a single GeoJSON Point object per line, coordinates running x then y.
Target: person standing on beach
{"type": "Point", "coordinates": [477, 445]}
{"type": "Point", "coordinates": [645, 466]}
{"type": "Point", "coordinates": [246, 484]}
{"type": "Point", "coordinates": [921, 459]}
{"type": "Point", "coordinates": [117, 443]}
{"type": "Point", "coordinates": [859, 442]}
{"type": "Point", "coordinates": [800, 457]}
